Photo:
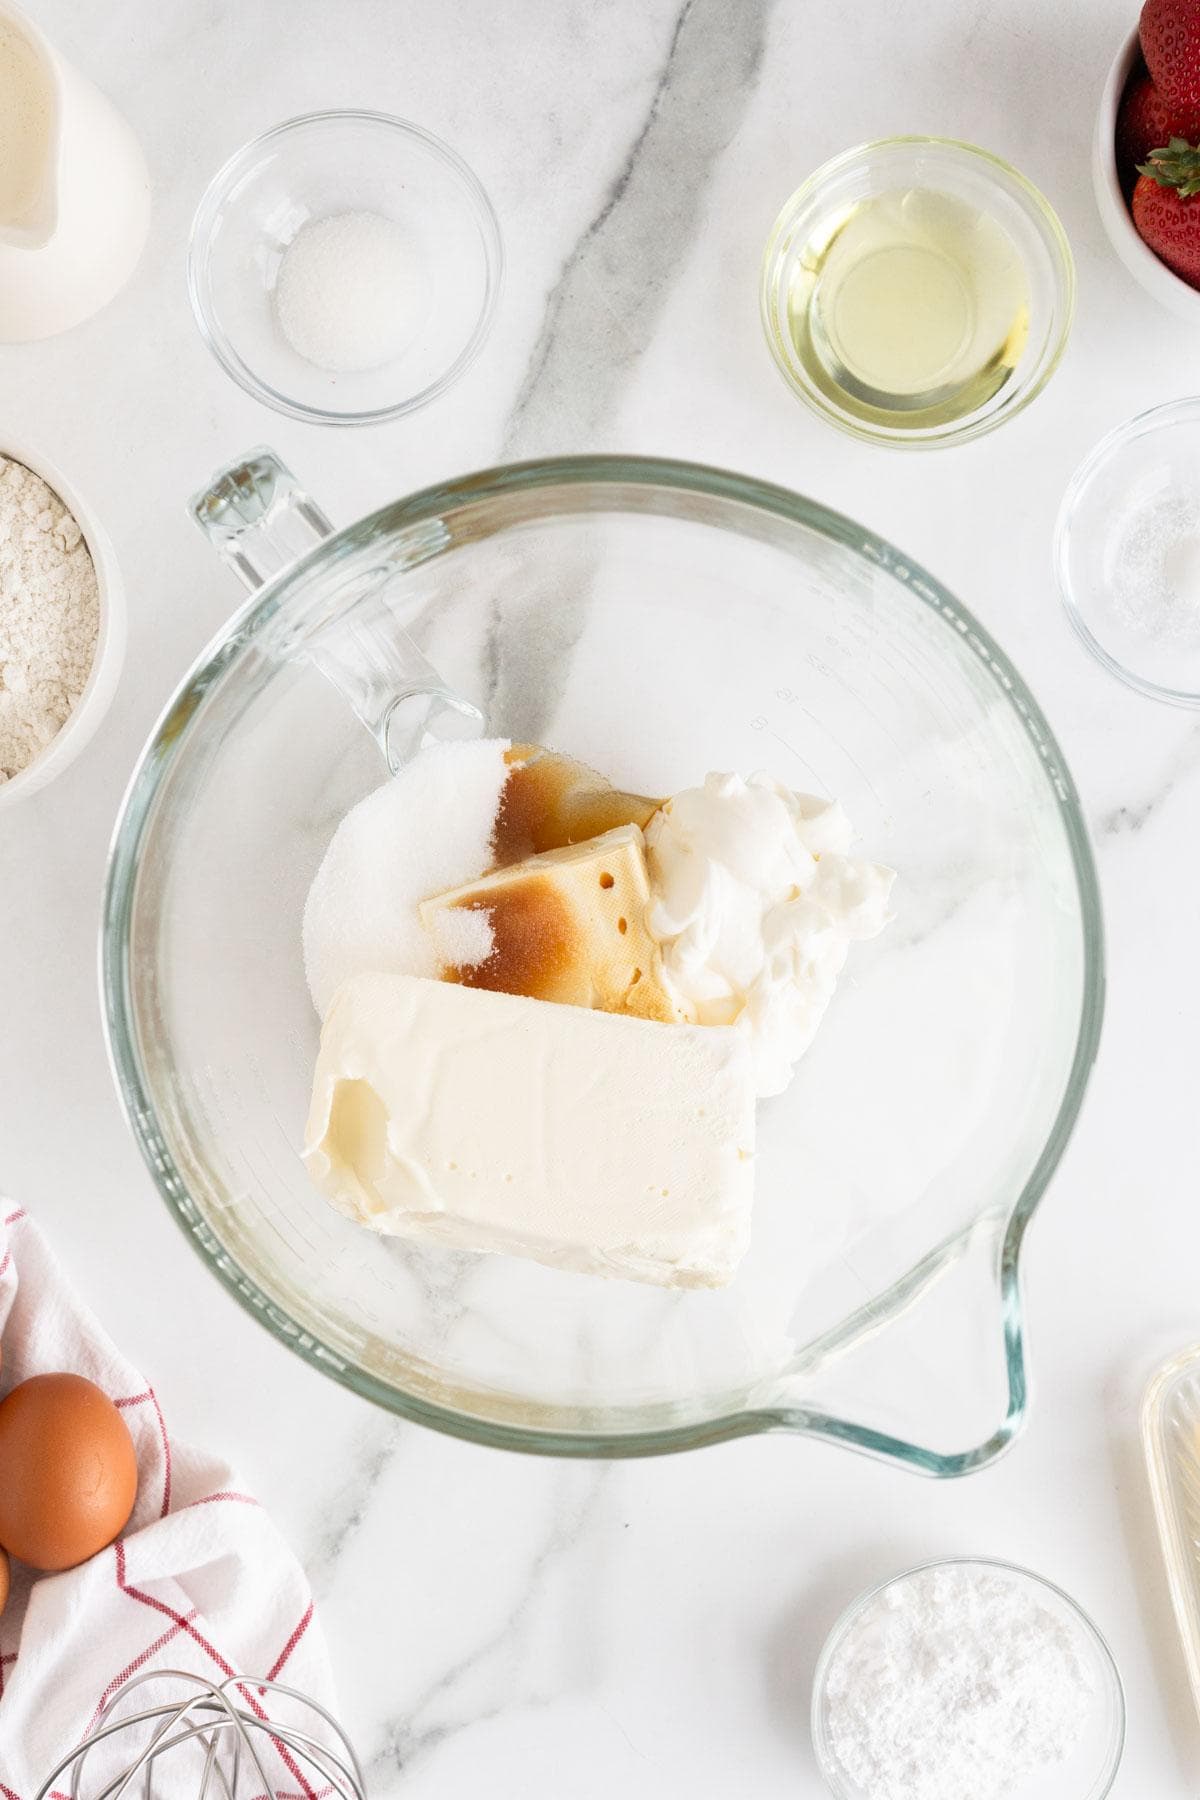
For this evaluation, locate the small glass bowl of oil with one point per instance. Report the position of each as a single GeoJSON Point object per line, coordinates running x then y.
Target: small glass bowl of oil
{"type": "Point", "coordinates": [917, 291]}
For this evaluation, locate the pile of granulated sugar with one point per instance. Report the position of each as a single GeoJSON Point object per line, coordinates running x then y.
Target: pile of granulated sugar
{"type": "Point", "coordinates": [426, 830]}
{"type": "Point", "coordinates": [49, 615]}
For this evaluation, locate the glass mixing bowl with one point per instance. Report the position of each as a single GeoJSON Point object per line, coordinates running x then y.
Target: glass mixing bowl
{"type": "Point", "coordinates": [657, 620]}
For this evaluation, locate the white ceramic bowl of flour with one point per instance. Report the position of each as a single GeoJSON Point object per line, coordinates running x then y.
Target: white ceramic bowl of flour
{"type": "Point", "coordinates": [98, 690]}
{"type": "Point", "coordinates": [967, 1677]}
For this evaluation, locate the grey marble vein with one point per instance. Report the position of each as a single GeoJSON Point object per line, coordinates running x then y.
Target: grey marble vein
{"type": "Point", "coordinates": [1123, 821]}
{"type": "Point", "coordinates": [603, 309]}
{"type": "Point", "coordinates": [425, 1725]}
{"type": "Point", "coordinates": [601, 313]}
{"type": "Point", "coordinates": [1129, 818]}
{"type": "Point", "coordinates": [368, 1465]}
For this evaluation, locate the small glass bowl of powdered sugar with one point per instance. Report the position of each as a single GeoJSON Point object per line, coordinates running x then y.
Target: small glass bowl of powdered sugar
{"type": "Point", "coordinates": [62, 624]}
{"type": "Point", "coordinates": [967, 1680]}
{"type": "Point", "coordinates": [1127, 548]}
{"type": "Point", "coordinates": [345, 267]}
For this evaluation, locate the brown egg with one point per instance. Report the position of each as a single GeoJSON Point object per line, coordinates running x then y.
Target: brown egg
{"type": "Point", "coordinates": [68, 1472]}
{"type": "Point", "coordinates": [4, 1580]}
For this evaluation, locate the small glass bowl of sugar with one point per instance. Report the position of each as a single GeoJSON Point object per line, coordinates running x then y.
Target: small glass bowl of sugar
{"type": "Point", "coordinates": [345, 267]}
{"type": "Point", "coordinates": [967, 1677]}
{"type": "Point", "coordinates": [1127, 551]}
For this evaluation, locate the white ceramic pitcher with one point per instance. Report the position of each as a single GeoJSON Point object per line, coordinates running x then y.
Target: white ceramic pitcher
{"type": "Point", "coordinates": [74, 189]}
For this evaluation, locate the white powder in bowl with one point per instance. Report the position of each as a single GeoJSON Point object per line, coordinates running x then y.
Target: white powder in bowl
{"type": "Point", "coordinates": [1155, 576]}
{"type": "Point", "coordinates": [427, 829]}
{"type": "Point", "coordinates": [958, 1682]}
{"type": "Point", "coordinates": [49, 616]}
{"type": "Point", "coordinates": [347, 292]}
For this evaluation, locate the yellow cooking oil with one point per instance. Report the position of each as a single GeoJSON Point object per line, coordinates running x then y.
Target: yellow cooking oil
{"type": "Point", "coordinates": [909, 308]}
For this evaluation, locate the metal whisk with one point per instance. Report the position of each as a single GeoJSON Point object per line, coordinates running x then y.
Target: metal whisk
{"type": "Point", "coordinates": [232, 1743]}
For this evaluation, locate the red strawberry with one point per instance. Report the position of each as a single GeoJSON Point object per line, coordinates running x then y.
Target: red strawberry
{"type": "Point", "coordinates": [1166, 211]}
{"type": "Point", "coordinates": [1170, 34]}
{"type": "Point", "coordinates": [1144, 123]}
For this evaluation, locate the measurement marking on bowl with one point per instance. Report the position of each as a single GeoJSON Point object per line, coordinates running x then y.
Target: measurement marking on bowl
{"type": "Point", "coordinates": [760, 722]}
{"type": "Point", "coordinates": [850, 757]}
{"type": "Point", "coordinates": [828, 673]}
{"type": "Point", "coordinates": [791, 698]}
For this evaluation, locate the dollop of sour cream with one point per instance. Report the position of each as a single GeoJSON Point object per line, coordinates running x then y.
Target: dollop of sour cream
{"type": "Point", "coordinates": [755, 901]}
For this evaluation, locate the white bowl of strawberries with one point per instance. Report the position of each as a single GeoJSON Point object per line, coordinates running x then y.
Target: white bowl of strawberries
{"type": "Point", "coordinates": [1145, 163]}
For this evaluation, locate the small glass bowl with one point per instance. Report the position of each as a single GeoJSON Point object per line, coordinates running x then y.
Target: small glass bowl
{"type": "Point", "coordinates": [1090, 1770]}
{"type": "Point", "coordinates": [315, 167]}
{"type": "Point", "coordinates": [1128, 528]}
{"type": "Point", "coordinates": [819, 208]}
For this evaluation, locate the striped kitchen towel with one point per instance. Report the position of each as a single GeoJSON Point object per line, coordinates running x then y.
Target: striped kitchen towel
{"type": "Point", "coordinates": [200, 1580]}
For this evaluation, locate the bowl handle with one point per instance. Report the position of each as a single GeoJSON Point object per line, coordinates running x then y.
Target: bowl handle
{"type": "Point", "coordinates": [261, 521]}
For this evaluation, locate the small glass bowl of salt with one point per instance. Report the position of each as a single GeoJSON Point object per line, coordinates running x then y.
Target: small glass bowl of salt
{"type": "Point", "coordinates": [1127, 552]}
{"type": "Point", "coordinates": [967, 1679]}
{"type": "Point", "coordinates": [345, 267]}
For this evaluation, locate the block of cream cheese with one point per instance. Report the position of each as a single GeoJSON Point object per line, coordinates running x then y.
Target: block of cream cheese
{"type": "Point", "coordinates": [485, 1121]}
{"type": "Point", "coordinates": [567, 925]}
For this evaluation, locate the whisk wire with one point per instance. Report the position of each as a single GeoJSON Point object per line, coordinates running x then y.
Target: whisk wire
{"type": "Point", "coordinates": [229, 1736]}
{"type": "Point", "coordinates": [118, 1785]}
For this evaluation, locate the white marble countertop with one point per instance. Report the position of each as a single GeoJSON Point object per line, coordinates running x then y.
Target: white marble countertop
{"type": "Point", "coordinates": [500, 1623]}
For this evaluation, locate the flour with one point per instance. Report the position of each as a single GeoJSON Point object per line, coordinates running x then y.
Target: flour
{"type": "Point", "coordinates": [49, 616]}
{"type": "Point", "coordinates": [957, 1683]}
